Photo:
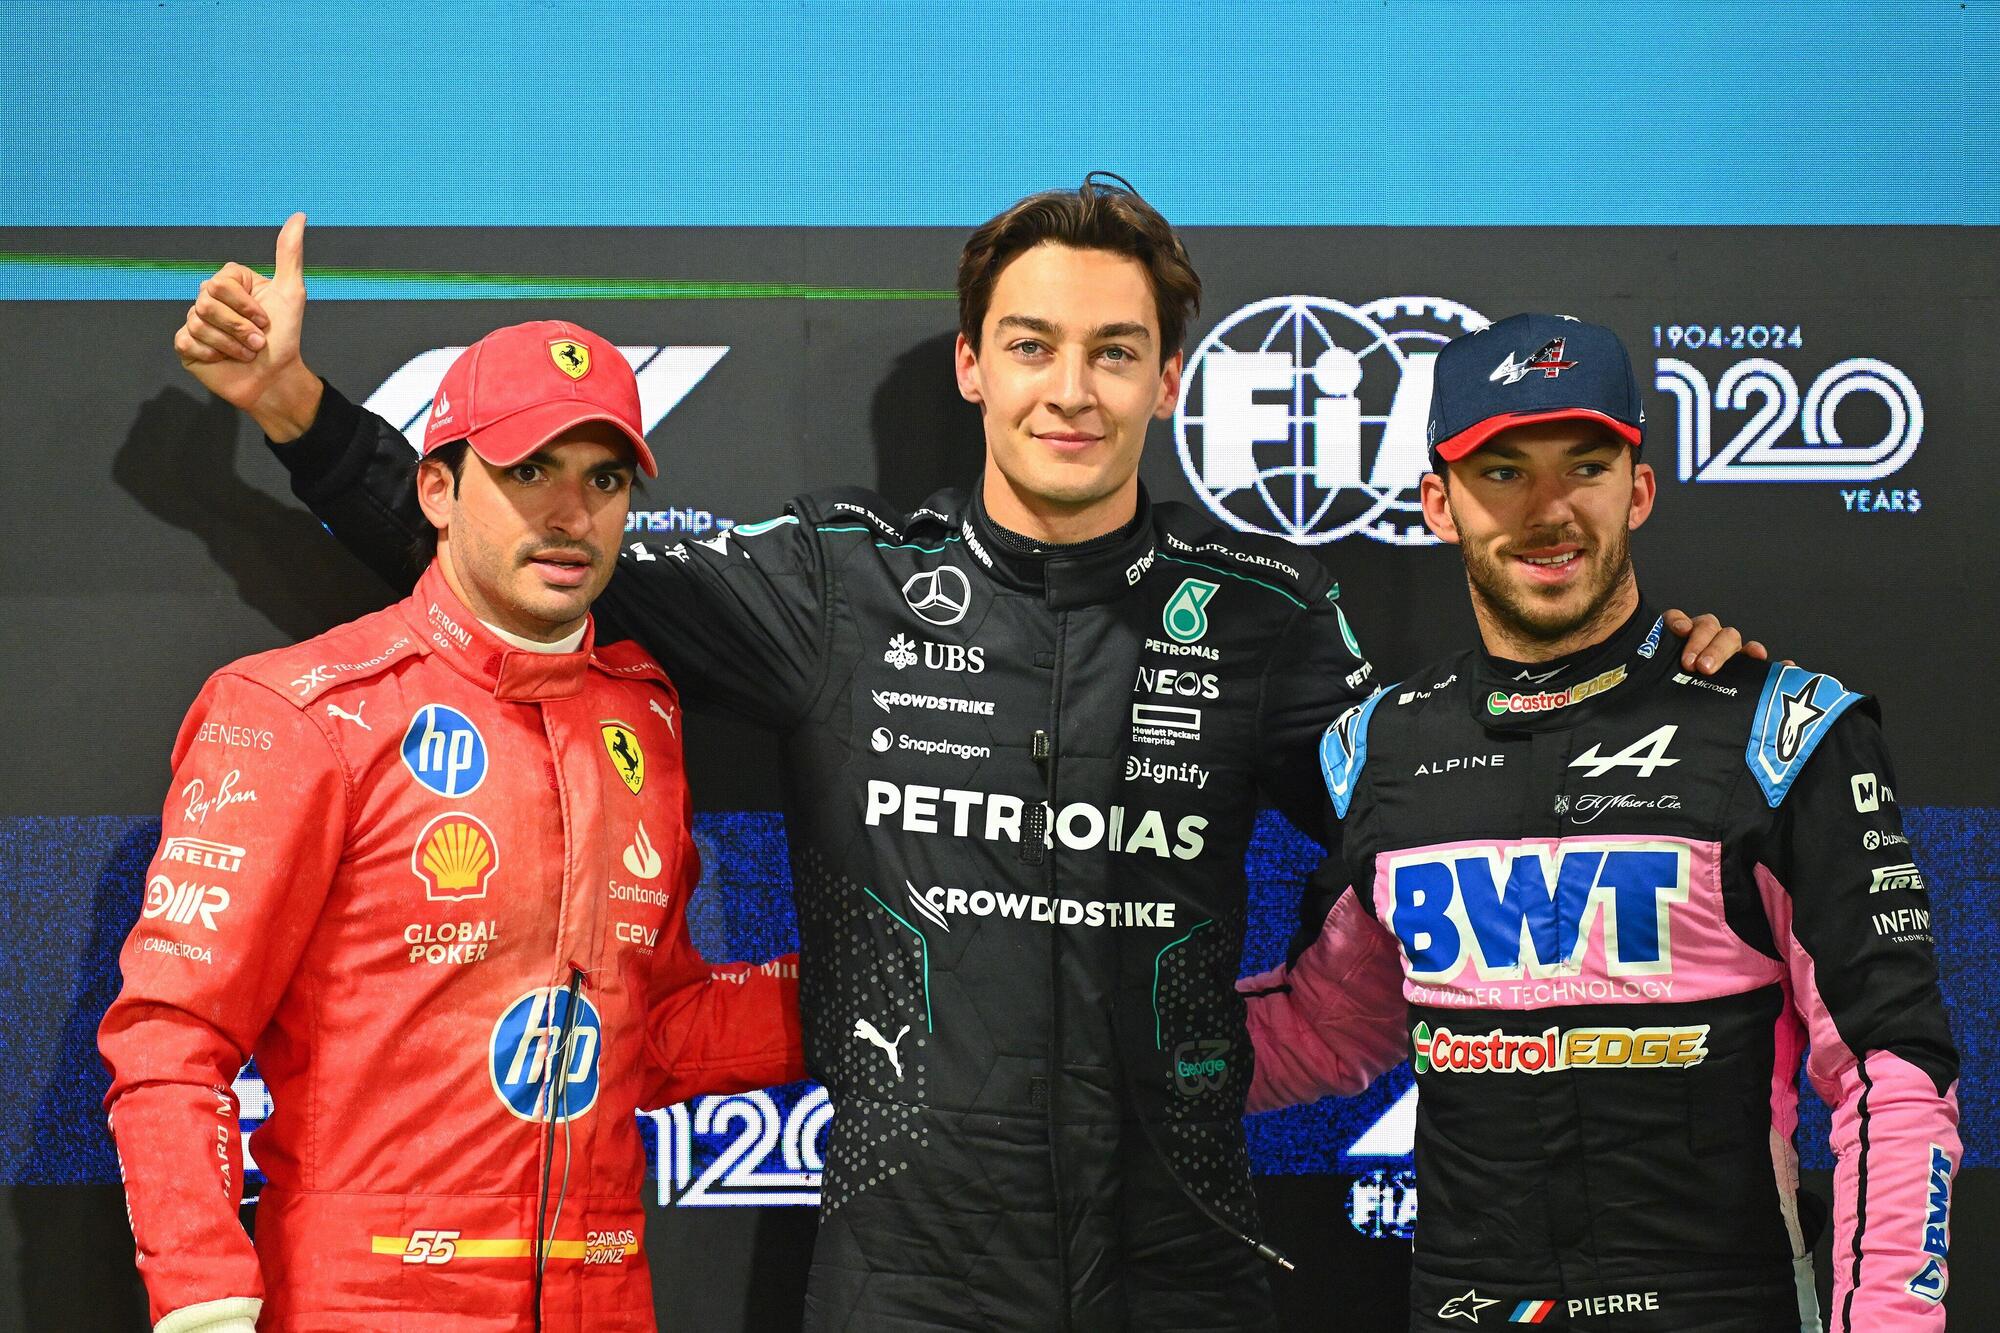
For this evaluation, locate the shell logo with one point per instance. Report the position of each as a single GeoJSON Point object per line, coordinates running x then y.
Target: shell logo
{"type": "Point", "coordinates": [455, 855]}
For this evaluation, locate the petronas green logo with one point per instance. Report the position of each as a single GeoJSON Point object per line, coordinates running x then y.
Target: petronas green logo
{"type": "Point", "coordinates": [1346, 634]}
{"type": "Point", "coordinates": [1186, 616]}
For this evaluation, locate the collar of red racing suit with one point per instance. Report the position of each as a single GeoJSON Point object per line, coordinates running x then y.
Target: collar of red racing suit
{"type": "Point", "coordinates": [1085, 575]}
{"type": "Point", "coordinates": [454, 634]}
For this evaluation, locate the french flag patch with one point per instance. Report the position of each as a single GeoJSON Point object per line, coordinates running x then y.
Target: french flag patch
{"type": "Point", "coordinates": [1531, 1312]}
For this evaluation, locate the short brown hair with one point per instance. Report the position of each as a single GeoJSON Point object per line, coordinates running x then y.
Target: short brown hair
{"type": "Point", "coordinates": [1104, 213]}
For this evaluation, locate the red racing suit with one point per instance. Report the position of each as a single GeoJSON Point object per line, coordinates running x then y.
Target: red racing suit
{"type": "Point", "coordinates": [438, 887]}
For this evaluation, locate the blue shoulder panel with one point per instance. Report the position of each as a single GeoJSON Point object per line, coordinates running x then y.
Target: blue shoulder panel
{"type": "Point", "coordinates": [1796, 710]}
{"type": "Point", "coordinates": [1344, 748]}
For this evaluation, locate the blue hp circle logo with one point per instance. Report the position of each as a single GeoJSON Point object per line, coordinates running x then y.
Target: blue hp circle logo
{"type": "Point", "coordinates": [444, 751]}
{"type": "Point", "coordinates": [523, 1060]}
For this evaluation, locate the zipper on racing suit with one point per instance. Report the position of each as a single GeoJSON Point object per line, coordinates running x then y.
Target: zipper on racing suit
{"type": "Point", "coordinates": [1042, 747]}
{"type": "Point", "coordinates": [556, 1080]}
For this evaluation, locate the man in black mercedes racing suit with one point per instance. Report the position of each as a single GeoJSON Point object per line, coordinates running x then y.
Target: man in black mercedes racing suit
{"type": "Point", "coordinates": [1025, 734]}
{"type": "Point", "coordinates": [1620, 900]}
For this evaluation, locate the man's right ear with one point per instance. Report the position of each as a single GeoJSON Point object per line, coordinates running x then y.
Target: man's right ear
{"type": "Point", "coordinates": [435, 490]}
{"type": "Point", "coordinates": [1437, 508]}
{"type": "Point", "coordinates": [965, 361]}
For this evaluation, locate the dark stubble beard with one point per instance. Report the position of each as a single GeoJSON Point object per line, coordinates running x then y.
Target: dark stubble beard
{"type": "Point", "coordinates": [1537, 622]}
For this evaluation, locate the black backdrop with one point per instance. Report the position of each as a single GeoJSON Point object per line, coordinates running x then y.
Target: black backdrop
{"type": "Point", "coordinates": [153, 539]}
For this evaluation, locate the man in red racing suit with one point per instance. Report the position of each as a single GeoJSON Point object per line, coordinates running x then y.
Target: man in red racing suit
{"type": "Point", "coordinates": [436, 881]}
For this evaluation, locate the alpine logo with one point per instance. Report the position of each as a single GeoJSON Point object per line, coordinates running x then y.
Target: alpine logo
{"type": "Point", "coordinates": [1647, 754]}
{"type": "Point", "coordinates": [1549, 361]}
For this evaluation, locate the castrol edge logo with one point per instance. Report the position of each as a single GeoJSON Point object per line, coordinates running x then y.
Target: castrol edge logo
{"type": "Point", "coordinates": [1442, 1051]}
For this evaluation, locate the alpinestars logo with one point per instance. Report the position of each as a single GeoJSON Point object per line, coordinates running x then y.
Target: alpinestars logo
{"type": "Point", "coordinates": [1800, 713]}
{"type": "Point", "coordinates": [1549, 361]}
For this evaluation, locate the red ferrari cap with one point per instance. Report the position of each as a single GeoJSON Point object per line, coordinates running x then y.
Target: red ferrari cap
{"type": "Point", "coordinates": [519, 387]}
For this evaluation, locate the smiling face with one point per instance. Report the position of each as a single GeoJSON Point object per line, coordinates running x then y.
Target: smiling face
{"type": "Point", "coordinates": [1067, 375]}
{"type": "Point", "coordinates": [1543, 514]}
{"type": "Point", "coordinates": [529, 547]}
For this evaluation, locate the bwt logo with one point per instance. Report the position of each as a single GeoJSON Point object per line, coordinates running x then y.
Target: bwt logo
{"type": "Point", "coordinates": [1306, 418]}
{"type": "Point", "coordinates": [666, 376]}
{"type": "Point", "coordinates": [1929, 1281]}
{"type": "Point", "coordinates": [1518, 911]}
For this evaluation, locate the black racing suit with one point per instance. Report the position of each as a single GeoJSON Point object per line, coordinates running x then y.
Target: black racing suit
{"type": "Point", "coordinates": [1019, 788]}
{"type": "Point", "coordinates": [1621, 899]}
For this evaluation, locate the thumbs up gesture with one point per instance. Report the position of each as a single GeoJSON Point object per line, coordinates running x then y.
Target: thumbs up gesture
{"type": "Point", "coordinates": [241, 339]}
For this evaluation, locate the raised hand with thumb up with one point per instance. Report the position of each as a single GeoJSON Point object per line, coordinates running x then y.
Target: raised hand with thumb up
{"type": "Point", "coordinates": [241, 339]}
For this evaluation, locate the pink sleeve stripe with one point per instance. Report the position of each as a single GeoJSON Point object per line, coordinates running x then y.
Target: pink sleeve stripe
{"type": "Point", "coordinates": [1896, 1147]}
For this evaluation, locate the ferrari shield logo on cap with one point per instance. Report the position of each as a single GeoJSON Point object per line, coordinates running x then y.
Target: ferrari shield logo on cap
{"type": "Point", "coordinates": [572, 358]}
{"type": "Point", "coordinates": [622, 744]}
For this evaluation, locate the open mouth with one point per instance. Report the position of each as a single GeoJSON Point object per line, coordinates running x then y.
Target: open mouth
{"type": "Point", "coordinates": [562, 568]}
{"type": "Point", "coordinates": [1551, 566]}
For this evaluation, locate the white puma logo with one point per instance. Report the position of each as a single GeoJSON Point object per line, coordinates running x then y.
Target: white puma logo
{"type": "Point", "coordinates": [665, 716]}
{"type": "Point", "coordinates": [866, 1031]}
{"type": "Point", "coordinates": [354, 717]}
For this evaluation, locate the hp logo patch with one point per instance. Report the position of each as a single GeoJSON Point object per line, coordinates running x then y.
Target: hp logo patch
{"type": "Point", "coordinates": [444, 751]}
{"type": "Point", "coordinates": [1305, 418]}
{"type": "Point", "coordinates": [523, 1059]}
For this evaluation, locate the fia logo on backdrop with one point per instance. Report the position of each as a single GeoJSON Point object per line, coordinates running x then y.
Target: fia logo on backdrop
{"type": "Point", "coordinates": [1304, 417]}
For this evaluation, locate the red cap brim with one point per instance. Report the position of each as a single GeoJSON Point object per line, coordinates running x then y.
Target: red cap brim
{"type": "Point", "coordinates": [1472, 437]}
{"type": "Point", "coordinates": [511, 439]}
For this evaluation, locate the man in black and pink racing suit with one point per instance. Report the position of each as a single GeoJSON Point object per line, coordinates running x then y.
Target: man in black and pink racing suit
{"type": "Point", "coordinates": [1620, 900]}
